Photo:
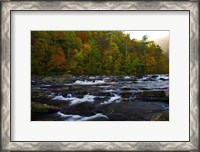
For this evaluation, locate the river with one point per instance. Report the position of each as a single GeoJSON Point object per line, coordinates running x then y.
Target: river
{"type": "Point", "coordinates": [99, 98]}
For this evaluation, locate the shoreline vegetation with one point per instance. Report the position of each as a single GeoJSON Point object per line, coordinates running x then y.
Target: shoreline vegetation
{"type": "Point", "coordinates": [95, 53]}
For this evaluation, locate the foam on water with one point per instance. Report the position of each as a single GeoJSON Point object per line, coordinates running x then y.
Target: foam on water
{"type": "Point", "coordinates": [85, 82]}
{"type": "Point", "coordinates": [166, 77]}
{"type": "Point", "coordinates": [151, 85]}
{"type": "Point", "coordinates": [165, 107]}
{"type": "Point", "coordinates": [106, 78]}
{"type": "Point", "coordinates": [115, 99]}
{"type": "Point", "coordinates": [110, 90]}
{"type": "Point", "coordinates": [36, 88]}
{"type": "Point", "coordinates": [98, 115]}
{"type": "Point", "coordinates": [156, 78]}
{"type": "Point", "coordinates": [60, 97]}
{"type": "Point", "coordinates": [92, 77]}
{"type": "Point", "coordinates": [45, 85]}
{"type": "Point", "coordinates": [69, 117]}
{"type": "Point", "coordinates": [74, 100]}
{"type": "Point", "coordinates": [127, 77]}
{"type": "Point", "coordinates": [80, 118]}
{"type": "Point", "coordinates": [86, 98]}
{"type": "Point", "coordinates": [105, 86]}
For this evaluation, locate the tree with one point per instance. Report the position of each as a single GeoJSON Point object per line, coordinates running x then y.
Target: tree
{"type": "Point", "coordinates": [107, 62]}
{"type": "Point", "coordinates": [39, 48]}
{"type": "Point", "coordinates": [57, 64]}
{"type": "Point", "coordinates": [95, 59]}
{"type": "Point", "coordinates": [116, 59]}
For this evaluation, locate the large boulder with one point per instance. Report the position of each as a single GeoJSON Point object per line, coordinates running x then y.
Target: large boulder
{"type": "Point", "coordinates": [83, 109]}
{"type": "Point", "coordinates": [152, 96]}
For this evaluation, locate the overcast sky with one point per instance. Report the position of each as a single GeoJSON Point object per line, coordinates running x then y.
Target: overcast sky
{"type": "Point", "coordinates": [152, 35]}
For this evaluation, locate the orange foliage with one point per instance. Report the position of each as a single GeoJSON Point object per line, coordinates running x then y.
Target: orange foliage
{"type": "Point", "coordinates": [83, 36]}
{"type": "Point", "coordinates": [58, 62]}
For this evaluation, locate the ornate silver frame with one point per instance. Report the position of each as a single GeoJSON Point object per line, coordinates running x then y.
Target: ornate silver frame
{"type": "Point", "coordinates": [8, 145]}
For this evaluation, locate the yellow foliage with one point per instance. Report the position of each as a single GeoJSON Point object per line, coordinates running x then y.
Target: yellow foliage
{"type": "Point", "coordinates": [150, 61]}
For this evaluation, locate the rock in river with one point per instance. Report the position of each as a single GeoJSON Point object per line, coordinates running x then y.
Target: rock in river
{"type": "Point", "coordinates": [149, 96]}
{"type": "Point", "coordinates": [83, 109]}
{"type": "Point", "coordinates": [163, 116]}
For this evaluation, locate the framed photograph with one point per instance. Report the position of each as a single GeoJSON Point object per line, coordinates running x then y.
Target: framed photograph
{"type": "Point", "coordinates": [109, 75]}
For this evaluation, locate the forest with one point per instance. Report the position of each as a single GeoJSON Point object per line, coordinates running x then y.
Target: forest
{"type": "Point", "coordinates": [95, 53]}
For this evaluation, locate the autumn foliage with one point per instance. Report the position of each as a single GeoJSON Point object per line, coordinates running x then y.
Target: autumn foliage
{"type": "Point", "coordinates": [57, 63]}
{"type": "Point", "coordinates": [94, 53]}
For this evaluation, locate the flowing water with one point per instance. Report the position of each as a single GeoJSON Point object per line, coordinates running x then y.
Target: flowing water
{"type": "Point", "coordinates": [99, 98]}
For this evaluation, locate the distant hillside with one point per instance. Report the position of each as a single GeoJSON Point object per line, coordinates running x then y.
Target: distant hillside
{"type": "Point", "coordinates": [164, 44]}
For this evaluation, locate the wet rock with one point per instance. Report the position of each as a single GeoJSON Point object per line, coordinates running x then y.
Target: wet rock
{"type": "Point", "coordinates": [126, 94]}
{"type": "Point", "coordinates": [81, 93]}
{"type": "Point", "coordinates": [152, 96]}
{"type": "Point", "coordinates": [131, 111]}
{"type": "Point", "coordinates": [167, 92]}
{"type": "Point", "coordinates": [154, 76]}
{"type": "Point", "coordinates": [163, 116]}
{"type": "Point", "coordinates": [99, 119]}
{"type": "Point", "coordinates": [100, 99]}
{"type": "Point", "coordinates": [43, 108]}
{"type": "Point", "coordinates": [104, 93]}
{"type": "Point", "coordinates": [125, 88]}
{"type": "Point", "coordinates": [163, 79]}
{"type": "Point", "coordinates": [117, 117]}
{"type": "Point", "coordinates": [53, 110]}
{"type": "Point", "coordinates": [83, 109]}
{"type": "Point", "coordinates": [147, 79]}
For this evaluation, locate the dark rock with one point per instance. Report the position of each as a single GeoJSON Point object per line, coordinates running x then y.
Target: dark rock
{"type": "Point", "coordinates": [83, 109]}
{"type": "Point", "coordinates": [152, 96]}
{"type": "Point", "coordinates": [99, 100]}
{"type": "Point", "coordinates": [117, 117]}
{"type": "Point", "coordinates": [126, 94]}
{"type": "Point", "coordinates": [52, 110]}
{"type": "Point", "coordinates": [163, 79]}
{"type": "Point", "coordinates": [125, 88]}
{"type": "Point", "coordinates": [154, 76]}
{"type": "Point", "coordinates": [81, 93]}
{"type": "Point", "coordinates": [104, 93]}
